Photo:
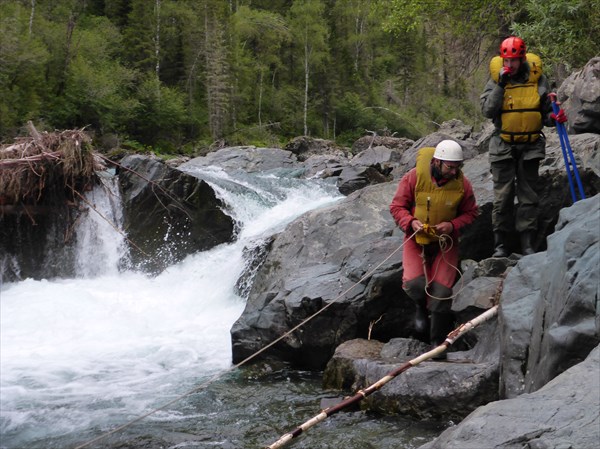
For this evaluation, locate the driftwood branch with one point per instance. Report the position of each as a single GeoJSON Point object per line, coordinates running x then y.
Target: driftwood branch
{"type": "Point", "coordinates": [33, 132]}
{"type": "Point", "coordinates": [54, 155]}
{"type": "Point", "coordinates": [37, 169]}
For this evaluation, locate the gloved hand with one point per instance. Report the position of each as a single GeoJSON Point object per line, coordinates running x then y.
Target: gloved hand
{"type": "Point", "coordinates": [561, 117]}
{"type": "Point", "coordinates": [504, 76]}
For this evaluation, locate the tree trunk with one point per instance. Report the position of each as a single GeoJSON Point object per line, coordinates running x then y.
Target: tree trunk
{"type": "Point", "coordinates": [157, 37]}
{"type": "Point", "coordinates": [306, 78]}
{"type": "Point", "coordinates": [217, 78]}
{"type": "Point", "coordinates": [31, 17]}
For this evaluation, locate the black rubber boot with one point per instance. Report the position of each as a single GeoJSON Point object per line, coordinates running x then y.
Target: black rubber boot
{"type": "Point", "coordinates": [415, 289]}
{"type": "Point", "coordinates": [500, 249]}
{"type": "Point", "coordinates": [441, 325]}
{"type": "Point", "coordinates": [526, 243]}
{"type": "Point", "coordinates": [421, 320]}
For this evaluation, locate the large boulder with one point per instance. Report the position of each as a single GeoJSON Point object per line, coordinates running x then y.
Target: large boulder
{"type": "Point", "coordinates": [315, 262]}
{"type": "Point", "coordinates": [321, 259]}
{"type": "Point", "coordinates": [430, 390]}
{"type": "Point", "coordinates": [168, 214]}
{"type": "Point", "coordinates": [371, 166]}
{"type": "Point", "coordinates": [586, 150]}
{"type": "Point", "coordinates": [37, 242]}
{"type": "Point", "coordinates": [249, 159]}
{"type": "Point", "coordinates": [358, 177]}
{"type": "Point", "coordinates": [324, 165]}
{"type": "Point", "coordinates": [580, 97]}
{"type": "Point", "coordinates": [566, 325]}
{"type": "Point", "coordinates": [304, 146]}
{"type": "Point", "coordinates": [520, 298]}
{"type": "Point", "coordinates": [549, 322]}
{"type": "Point", "coordinates": [325, 252]}
{"type": "Point", "coordinates": [373, 141]}
{"type": "Point", "coordinates": [563, 413]}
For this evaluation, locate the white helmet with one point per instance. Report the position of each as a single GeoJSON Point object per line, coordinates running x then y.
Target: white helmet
{"type": "Point", "coordinates": [448, 150]}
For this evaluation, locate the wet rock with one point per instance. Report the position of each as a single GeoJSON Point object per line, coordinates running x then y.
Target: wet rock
{"type": "Point", "coordinates": [374, 141]}
{"type": "Point", "coordinates": [341, 371]}
{"type": "Point", "coordinates": [355, 178]}
{"type": "Point", "coordinates": [324, 166]}
{"type": "Point", "coordinates": [168, 214]}
{"type": "Point", "coordinates": [566, 325]}
{"type": "Point", "coordinates": [303, 147]}
{"type": "Point", "coordinates": [563, 413]}
{"type": "Point", "coordinates": [333, 249]}
{"type": "Point", "coordinates": [430, 390]}
{"type": "Point", "coordinates": [580, 97]}
{"type": "Point", "coordinates": [249, 159]}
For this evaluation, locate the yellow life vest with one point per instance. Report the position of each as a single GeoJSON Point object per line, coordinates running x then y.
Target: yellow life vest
{"type": "Point", "coordinates": [521, 116]}
{"type": "Point", "coordinates": [434, 204]}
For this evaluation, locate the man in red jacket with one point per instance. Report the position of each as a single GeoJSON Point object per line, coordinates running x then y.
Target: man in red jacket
{"type": "Point", "coordinates": [433, 202]}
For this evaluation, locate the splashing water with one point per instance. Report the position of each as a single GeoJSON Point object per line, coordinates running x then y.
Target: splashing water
{"type": "Point", "coordinates": [90, 353]}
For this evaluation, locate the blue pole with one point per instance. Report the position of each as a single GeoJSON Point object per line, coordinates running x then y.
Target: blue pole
{"type": "Point", "coordinates": [559, 130]}
{"type": "Point", "coordinates": [573, 163]}
{"type": "Point", "coordinates": [568, 156]}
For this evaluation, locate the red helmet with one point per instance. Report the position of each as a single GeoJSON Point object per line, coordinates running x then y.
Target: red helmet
{"type": "Point", "coordinates": [513, 47]}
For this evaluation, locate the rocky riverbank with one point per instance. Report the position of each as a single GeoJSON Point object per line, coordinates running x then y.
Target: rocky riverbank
{"type": "Point", "coordinates": [530, 377]}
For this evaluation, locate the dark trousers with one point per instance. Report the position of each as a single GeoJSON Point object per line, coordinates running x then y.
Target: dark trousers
{"type": "Point", "coordinates": [518, 176]}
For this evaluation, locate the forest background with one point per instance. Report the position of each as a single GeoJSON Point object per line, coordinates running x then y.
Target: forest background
{"type": "Point", "coordinates": [182, 76]}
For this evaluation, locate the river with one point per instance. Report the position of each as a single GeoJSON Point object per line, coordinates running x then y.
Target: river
{"type": "Point", "coordinates": [81, 357]}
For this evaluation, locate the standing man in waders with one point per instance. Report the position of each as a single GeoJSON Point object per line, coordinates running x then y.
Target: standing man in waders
{"type": "Point", "coordinates": [516, 99]}
{"type": "Point", "coordinates": [435, 201]}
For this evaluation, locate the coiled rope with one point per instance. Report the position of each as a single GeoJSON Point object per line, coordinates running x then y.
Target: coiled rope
{"type": "Point", "coordinates": [446, 243]}
{"type": "Point", "coordinates": [247, 359]}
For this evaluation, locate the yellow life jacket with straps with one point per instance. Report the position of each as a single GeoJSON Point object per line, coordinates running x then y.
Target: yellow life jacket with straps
{"type": "Point", "coordinates": [521, 116]}
{"type": "Point", "coordinates": [434, 204]}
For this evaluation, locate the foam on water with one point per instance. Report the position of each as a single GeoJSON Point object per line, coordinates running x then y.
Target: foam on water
{"type": "Point", "coordinates": [107, 346]}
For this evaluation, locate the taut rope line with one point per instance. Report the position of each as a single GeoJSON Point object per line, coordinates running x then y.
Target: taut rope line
{"type": "Point", "coordinates": [247, 359]}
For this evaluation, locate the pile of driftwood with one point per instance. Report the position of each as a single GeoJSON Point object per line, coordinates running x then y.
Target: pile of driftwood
{"type": "Point", "coordinates": [46, 168]}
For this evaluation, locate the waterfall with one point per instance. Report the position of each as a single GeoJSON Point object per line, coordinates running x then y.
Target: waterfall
{"type": "Point", "coordinates": [101, 247]}
{"type": "Point", "coordinates": [92, 352]}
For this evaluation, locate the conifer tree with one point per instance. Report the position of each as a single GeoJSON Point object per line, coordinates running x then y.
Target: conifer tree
{"type": "Point", "coordinates": [310, 34]}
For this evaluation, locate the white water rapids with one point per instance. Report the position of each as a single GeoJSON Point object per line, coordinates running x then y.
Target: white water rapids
{"type": "Point", "coordinates": [79, 356]}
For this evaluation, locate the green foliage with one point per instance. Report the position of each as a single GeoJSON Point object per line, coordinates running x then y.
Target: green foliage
{"type": "Point", "coordinates": [160, 112]}
{"type": "Point", "coordinates": [98, 88]}
{"type": "Point", "coordinates": [175, 75]}
{"type": "Point", "coordinates": [22, 61]}
{"type": "Point", "coordinates": [287, 105]}
{"type": "Point", "coordinates": [352, 114]}
{"type": "Point", "coordinates": [562, 31]}
{"type": "Point", "coordinates": [259, 136]}
{"type": "Point", "coordinates": [259, 35]}
{"type": "Point", "coordinates": [139, 48]}
{"type": "Point", "coordinates": [442, 16]}
{"type": "Point", "coordinates": [356, 118]}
